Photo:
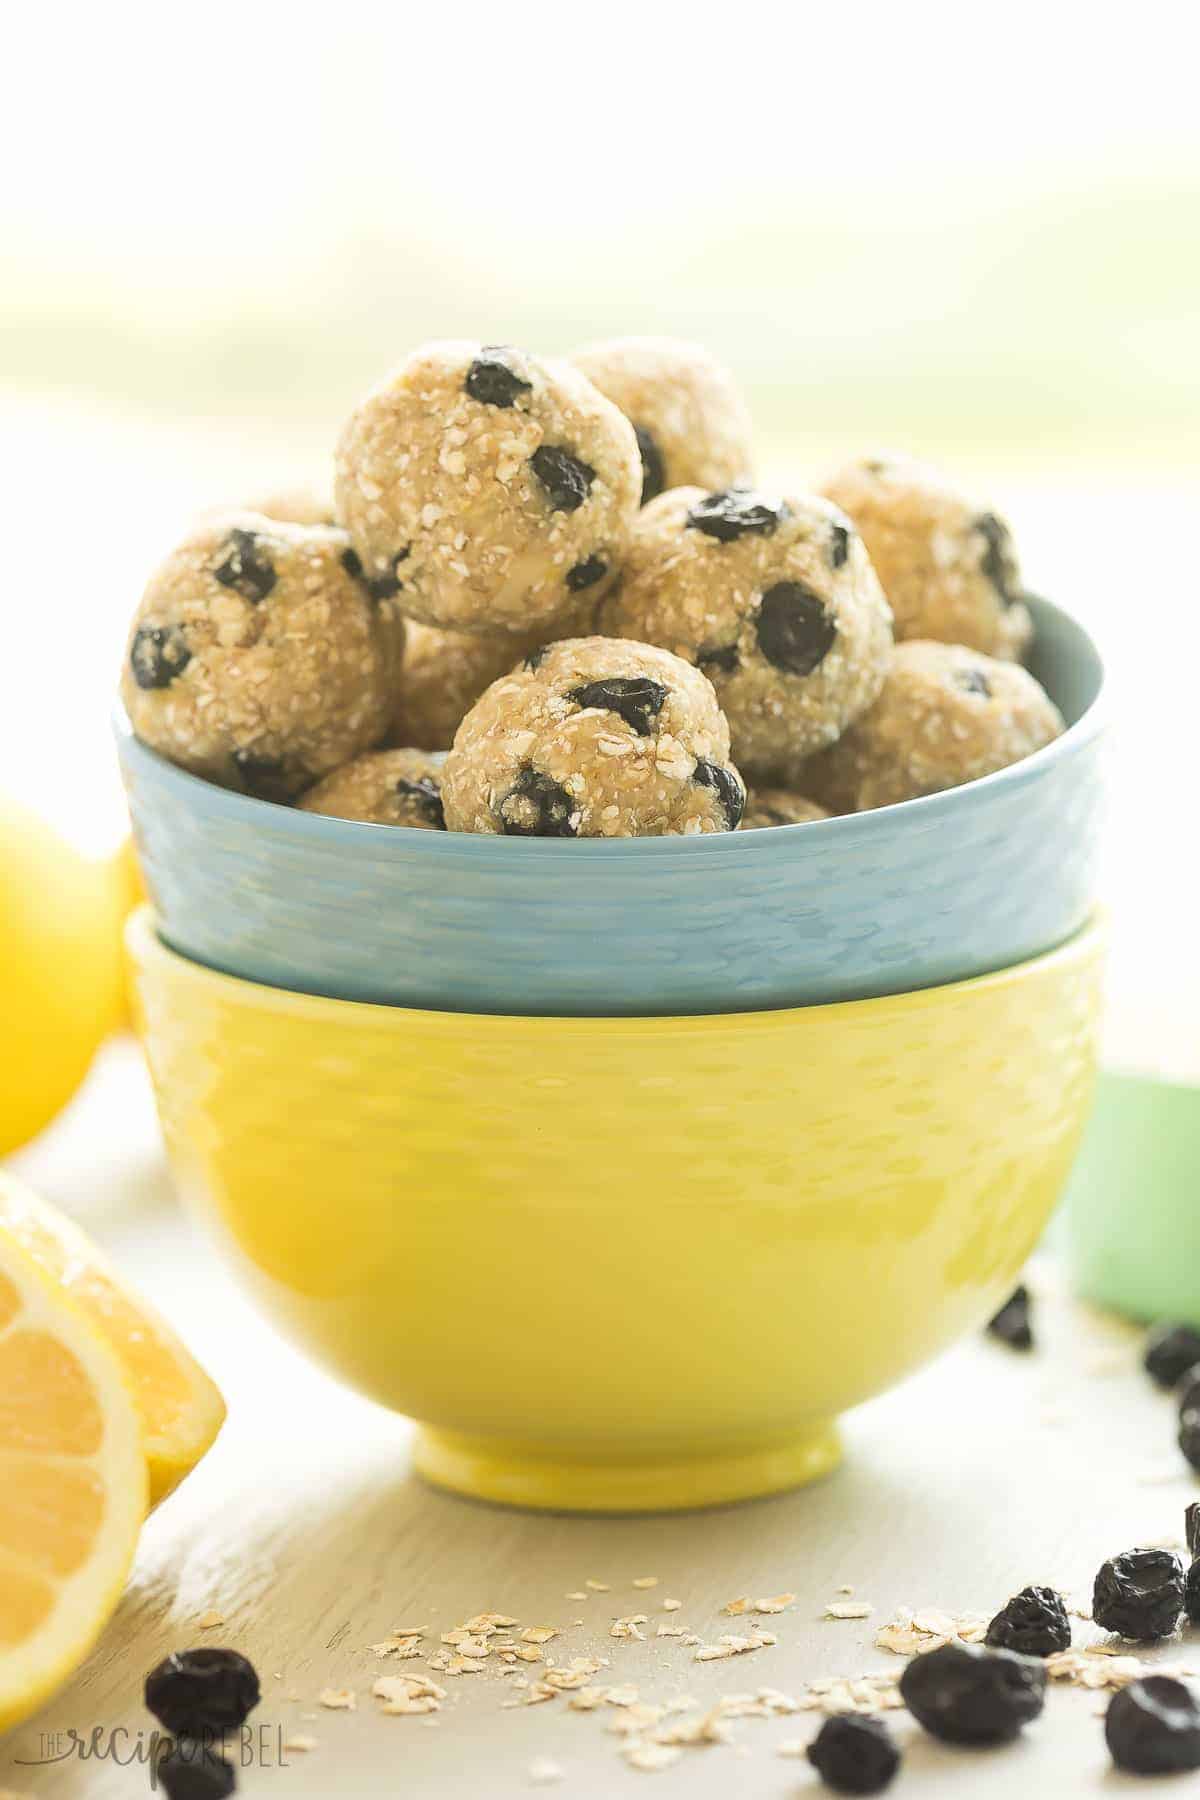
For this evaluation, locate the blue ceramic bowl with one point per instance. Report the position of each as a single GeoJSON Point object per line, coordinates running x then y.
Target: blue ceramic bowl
{"type": "Point", "coordinates": [936, 890]}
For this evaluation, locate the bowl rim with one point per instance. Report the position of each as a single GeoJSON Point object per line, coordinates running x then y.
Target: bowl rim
{"type": "Point", "coordinates": [146, 945]}
{"type": "Point", "coordinates": [194, 793]}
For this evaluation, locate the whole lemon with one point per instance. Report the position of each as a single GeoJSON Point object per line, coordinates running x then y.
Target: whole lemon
{"type": "Point", "coordinates": [60, 968]}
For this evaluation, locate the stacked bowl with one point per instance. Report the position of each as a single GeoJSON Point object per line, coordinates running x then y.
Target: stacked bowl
{"type": "Point", "coordinates": [626, 1165]}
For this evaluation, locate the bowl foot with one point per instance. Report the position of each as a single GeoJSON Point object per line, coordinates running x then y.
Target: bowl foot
{"type": "Point", "coordinates": [548, 1478]}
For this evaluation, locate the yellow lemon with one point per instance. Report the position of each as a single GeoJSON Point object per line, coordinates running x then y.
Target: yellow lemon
{"type": "Point", "coordinates": [181, 1410]}
{"type": "Point", "coordinates": [72, 1484]}
{"type": "Point", "coordinates": [60, 969]}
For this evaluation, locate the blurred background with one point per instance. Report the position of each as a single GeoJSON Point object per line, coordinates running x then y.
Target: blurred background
{"type": "Point", "coordinates": [966, 232]}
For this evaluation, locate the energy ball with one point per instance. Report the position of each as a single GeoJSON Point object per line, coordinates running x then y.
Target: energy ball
{"type": "Point", "coordinates": [778, 806]}
{"type": "Point", "coordinates": [385, 787]}
{"type": "Point", "coordinates": [258, 659]}
{"type": "Point", "coordinates": [947, 566]}
{"type": "Point", "coordinates": [594, 738]}
{"type": "Point", "coordinates": [446, 671]}
{"type": "Point", "coordinates": [946, 715]}
{"type": "Point", "coordinates": [691, 423]}
{"type": "Point", "coordinates": [488, 490]}
{"type": "Point", "coordinates": [775, 600]}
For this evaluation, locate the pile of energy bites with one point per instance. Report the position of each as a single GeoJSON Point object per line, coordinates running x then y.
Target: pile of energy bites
{"type": "Point", "coordinates": [562, 574]}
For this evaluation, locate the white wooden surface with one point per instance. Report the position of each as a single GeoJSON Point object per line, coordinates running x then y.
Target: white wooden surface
{"type": "Point", "coordinates": [306, 1529]}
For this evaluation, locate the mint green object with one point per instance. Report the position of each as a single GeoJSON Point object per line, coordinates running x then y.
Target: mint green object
{"type": "Point", "coordinates": [1132, 1217]}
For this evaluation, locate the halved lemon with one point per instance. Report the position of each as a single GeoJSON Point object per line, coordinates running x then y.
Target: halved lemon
{"type": "Point", "coordinates": [72, 1484]}
{"type": "Point", "coordinates": [181, 1409]}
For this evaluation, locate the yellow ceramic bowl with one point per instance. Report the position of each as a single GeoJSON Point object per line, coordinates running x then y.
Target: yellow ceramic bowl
{"type": "Point", "coordinates": [624, 1263]}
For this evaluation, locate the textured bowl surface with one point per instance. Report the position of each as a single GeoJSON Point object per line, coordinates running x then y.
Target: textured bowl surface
{"type": "Point", "coordinates": [624, 1263]}
{"type": "Point", "coordinates": [933, 891]}
{"type": "Point", "coordinates": [1132, 1223]}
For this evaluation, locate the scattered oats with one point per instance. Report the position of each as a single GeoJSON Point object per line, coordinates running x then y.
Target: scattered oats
{"type": "Point", "coordinates": [484, 1622]}
{"type": "Point", "coordinates": [209, 1620]}
{"type": "Point", "coordinates": [731, 1645]}
{"type": "Point", "coordinates": [646, 1581]}
{"type": "Point", "coordinates": [525, 1652]}
{"type": "Point", "coordinates": [543, 1770]}
{"type": "Point", "coordinates": [301, 1743]}
{"type": "Point", "coordinates": [399, 1647]}
{"type": "Point", "coordinates": [845, 1588]}
{"type": "Point", "coordinates": [456, 1664]}
{"type": "Point", "coordinates": [681, 1703]}
{"type": "Point", "coordinates": [652, 1757]}
{"type": "Point", "coordinates": [1081, 1671]}
{"type": "Point", "coordinates": [671, 1605]}
{"type": "Point", "coordinates": [539, 1691]}
{"type": "Point", "coordinates": [628, 1627]}
{"type": "Point", "coordinates": [676, 1631]}
{"type": "Point", "coordinates": [408, 1694]}
{"type": "Point", "coordinates": [587, 1699]}
{"type": "Point", "coordinates": [632, 1721]}
{"type": "Point", "coordinates": [690, 1638]}
{"type": "Point", "coordinates": [914, 1634]}
{"type": "Point", "coordinates": [774, 1603]}
{"type": "Point", "coordinates": [580, 1595]}
{"type": "Point", "coordinates": [338, 1699]}
{"type": "Point", "coordinates": [736, 1608]}
{"type": "Point", "coordinates": [597, 1587]}
{"type": "Point", "coordinates": [575, 1674]}
{"type": "Point", "coordinates": [622, 1696]}
{"type": "Point", "coordinates": [848, 1609]}
{"type": "Point", "coordinates": [539, 1634]}
{"type": "Point", "coordinates": [709, 1728]}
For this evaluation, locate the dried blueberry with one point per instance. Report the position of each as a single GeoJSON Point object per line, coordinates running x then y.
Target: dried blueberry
{"type": "Point", "coordinates": [352, 563]}
{"type": "Point", "coordinates": [246, 568]}
{"type": "Point", "coordinates": [204, 1690]}
{"type": "Point", "coordinates": [1012, 1323]}
{"type": "Point", "coordinates": [1187, 1394]}
{"type": "Point", "coordinates": [654, 471]}
{"type": "Point", "coordinates": [266, 777]}
{"type": "Point", "coordinates": [974, 681]}
{"type": "Point", "coordinates": [720, 656]}
{"type": "Point", "coordinates": [536, 658]}
{"type": "Point", "coordinates": [735, 512]}
{"type": "Point", "coordinates": [1171, 1350]}
{"type": "Point", "coordinates": [1153, 1727]}
{"type": "Point", "coordinates": [1139, 1594]}
{"type": "Point", "coordinates": [386, 583]}
{"type": "Point", "coordinates": [854, 1754]}
{"type": "Point", "coordinates": [969, 1695]}
{"type": "Point", "coordinates": [492, 379]}
{"type": "Point", "coordinates": [839, 546]}
{"type": "Point", "coordinates": [999, 564]}
{"type": "Point", "coordinates": [192, 1770]}
{"type": "Point", "coordinates": [566, 479]}
{"type": "Point", "coordinates": [536, 806]}
{"type": "Point", "coordinates": [634, 698]}
{"type": "Point", "coordinates": [426, 798]}
{"type": "Point", "coordinates": [158, 654]}
{"type": "Point", "coordinates": [795, 629]}
{"type": "Point", "coordinates": [1191, 1593]}
{"type": "Point", "coordinates": [586, 574]}
{"type": "Point", "coordinates": [1033, 1623]}
{"type": "Point", "coordinates": [1189, 1435]}
{"type": "Point", "coordinates": [1191, 1525]}
{"type": "Point", "coordinates": [728, 789]}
